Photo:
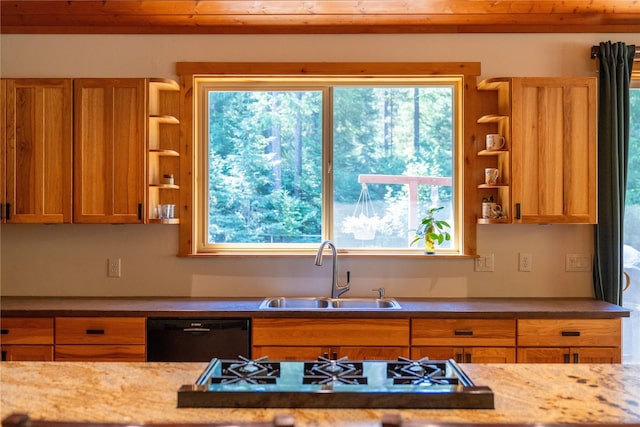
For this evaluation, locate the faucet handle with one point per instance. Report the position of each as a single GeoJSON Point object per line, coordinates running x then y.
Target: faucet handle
{"type": "Point", "coordinates": [380, 292]}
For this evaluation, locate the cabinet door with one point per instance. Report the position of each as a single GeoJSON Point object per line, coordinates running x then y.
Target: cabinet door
{"type": "Point", "coordinates": [30, 353]}
{"type": "Point", "coordinates": [490, 355]}
{"type": "Point", "coordinates": [289, 352]}
{"type": "Point", "coordinates": [372, 353]}
{"type": "Point", "coordinates": [100, 353]}
{"type": "Point", "coordinates": [554, 150]}
{"type": "Point", "coordinates": [109, 150]}
{"type": "Point", "coordinates": [3, 147]}
{"type": "Point", "coordinates": [543, 355]}
{"type": "Point", "coordinates": [597, 355]}
{"type": "Point", "coordinates": [39, 151]}
{"type": "Point", "coordinates": [437, 353]}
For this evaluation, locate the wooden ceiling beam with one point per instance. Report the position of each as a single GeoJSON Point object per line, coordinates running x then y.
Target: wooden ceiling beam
{"type": "Point", "coordinates": [320, 16]}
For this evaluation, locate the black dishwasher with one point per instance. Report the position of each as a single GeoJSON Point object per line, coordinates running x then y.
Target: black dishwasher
{"type": "Point", "coordinates": [197, 340]}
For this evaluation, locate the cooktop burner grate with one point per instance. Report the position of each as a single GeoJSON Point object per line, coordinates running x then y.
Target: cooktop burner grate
{"type": "Point", "coordinates": [259, 371]}
{"type": "Point", "coordinates": [334, 383]}
{"type": "Point", "coordinates": [424, 372]}
{"type": "Point", "coordinates": [325, 371]}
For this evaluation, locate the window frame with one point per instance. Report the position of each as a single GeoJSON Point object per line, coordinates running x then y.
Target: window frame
{"type": "Point", "coordinates": [289, 74]}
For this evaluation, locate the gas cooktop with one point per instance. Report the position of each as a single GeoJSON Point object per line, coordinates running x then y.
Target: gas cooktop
{"type": "Point", "coordinates": [334, 383]}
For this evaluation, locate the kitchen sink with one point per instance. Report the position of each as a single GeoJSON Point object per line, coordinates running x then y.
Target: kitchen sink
{"type": "Point", "coordinates": [304, 303]}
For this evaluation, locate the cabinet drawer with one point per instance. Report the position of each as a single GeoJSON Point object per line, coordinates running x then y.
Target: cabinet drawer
{"type": "Point", "coordinates": [100, 353]}
{"type": "Point", "coordinates": [569, 332]}
{"type": "Point", "coordinates": [463, 332]}
{"type": "Point", "coordinates": [331, 332]}
{"type": "Point", "coordinates": [26, 330]}
{"type": "Point", "coordinates": [100, 330]}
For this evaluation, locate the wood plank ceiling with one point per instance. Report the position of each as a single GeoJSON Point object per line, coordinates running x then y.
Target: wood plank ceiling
{"type": "Point", "coordinates": [317, 17]}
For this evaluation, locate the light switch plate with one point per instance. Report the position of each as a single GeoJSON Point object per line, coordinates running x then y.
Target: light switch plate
{"type": "Point", "coordinates": [577, 262]}
{"type": "Point", "coordinates": [484, 263]}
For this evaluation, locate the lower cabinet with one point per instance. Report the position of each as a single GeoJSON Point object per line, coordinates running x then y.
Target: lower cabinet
{"type": "Point", "coordinates": [308, 338]}
{"type": "Point", "coordinates": [26, 338]}
{"type": "Point", "coordinates": [466, 354]}
{"type": "Point", "coordinates": [105, 339]}
{"type": "Point", "coordinates": [569, 340]}
{"type": "Point", "coordinates": [464, 340]}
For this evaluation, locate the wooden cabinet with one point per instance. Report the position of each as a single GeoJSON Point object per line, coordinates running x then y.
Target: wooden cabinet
{"type": "Point", "coordinates": [26, 339]}
{"type": "Point", "coordinates": [163, 148]}
{"type": "Point", "coordinates": [549, 167]}
{"type": "Point", "coordinates": [109, 150]}
{"type": "Point", "coordinates": [37, 167]}
{"type": "Point", "coordinates": [464, 340]}
{"type": "Point", "coordinates": [554, 150]}
{"type": "Point", "coordinates": [308, 338]}
{"type": "Point", "coordinates": [3, 148]}
{"type": "Point", "coordinates": [569, 340]}
{"type": "Point", "coordinates": [118, 339]}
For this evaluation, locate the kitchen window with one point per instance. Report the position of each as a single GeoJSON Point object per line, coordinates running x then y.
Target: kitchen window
{"type": "Point", "coordinates": [281, 162]}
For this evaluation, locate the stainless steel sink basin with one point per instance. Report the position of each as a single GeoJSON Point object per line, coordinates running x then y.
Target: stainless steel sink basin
{"type": "Point", "coordinates": [295, 303]}
{"type": "Point", "coordinates": [365, 303]}
{"type": "Point", "coordinates": [309, 303]}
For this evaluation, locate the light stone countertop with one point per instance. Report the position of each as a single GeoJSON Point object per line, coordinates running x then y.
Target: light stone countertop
{"type": "Point", "coordinates": [147, 393]}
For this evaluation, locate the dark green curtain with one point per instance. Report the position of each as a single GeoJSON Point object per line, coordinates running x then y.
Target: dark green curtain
{"type": "Point", "coordinates": [615, 61]}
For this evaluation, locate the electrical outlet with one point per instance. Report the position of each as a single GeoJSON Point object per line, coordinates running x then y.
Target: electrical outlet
{"type": "Point", "coordinates": [113, 267]}
{"type": "Point", "coordinates": [484, 263]}
{"type": "Point", "coordinates": [524, 262]}
{"type": "Point", "coordinates": [577, 262]}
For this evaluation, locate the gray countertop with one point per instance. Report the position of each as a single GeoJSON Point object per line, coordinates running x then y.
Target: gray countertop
{"type": "Point", "coordinates": [248, 307]}
{"type": "Point", "coordinates": [147, 393]}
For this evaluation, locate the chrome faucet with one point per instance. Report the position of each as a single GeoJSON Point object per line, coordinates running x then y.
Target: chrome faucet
{"type": "Point", "coordinates": [336, 290]}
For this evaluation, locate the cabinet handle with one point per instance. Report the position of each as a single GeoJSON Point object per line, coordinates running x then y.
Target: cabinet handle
{"type": "Point", "coordinates": [4, 355]}
{"type": "Point", "coordinates": [95, 331]}
{"type": "Point", "coordinates": [466, 332]}
{"type": "Point", "coordinates": [566, 357]}
{"type": "Point", "coordinates": [517, 210]}
{"type": "Point", "coordinates": [140, 211]}
{"type": "Point", "coordinates": [1, 213]}
{"type": "Point", "coordinates": [468, 358]}
{"type": "Point", "coordinates": [570, 333]}
{"type": "Point", "coordinates": [459, 357]}
{"type": "Point", "coordinates": [576, 358]}
{"type": "Point", "coordinates": [7, 211]}
{"type": "Point", "coordinates": [4, 332]}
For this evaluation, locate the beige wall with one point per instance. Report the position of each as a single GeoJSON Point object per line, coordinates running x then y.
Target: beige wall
{"type": "Point", "coordinates": [71, 260]}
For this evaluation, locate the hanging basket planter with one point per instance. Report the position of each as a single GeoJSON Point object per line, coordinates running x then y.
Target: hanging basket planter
{"type": "Point", "coordinates": [364, 223]}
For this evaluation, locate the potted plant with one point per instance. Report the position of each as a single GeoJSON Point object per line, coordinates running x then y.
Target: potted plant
{"type": "Point", "coordinates": [432, 230]}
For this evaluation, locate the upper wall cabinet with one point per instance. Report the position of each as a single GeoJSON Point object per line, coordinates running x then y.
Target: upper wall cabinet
{"type": "Point", "coordinates": [550, 128]}
{"type": "Point", "coordinates": [36, 170]}
{"type": "Point", "coordinates": [109, 150]}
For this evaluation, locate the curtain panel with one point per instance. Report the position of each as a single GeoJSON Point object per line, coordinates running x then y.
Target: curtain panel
{"type": "Point", "coordinates": [615, 63]}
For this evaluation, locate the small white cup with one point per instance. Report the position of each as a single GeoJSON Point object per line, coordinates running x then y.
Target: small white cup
{"type": "Point", "coordinates": [491, 176]}
{"type": "Point", "coordinates": [495, 142]}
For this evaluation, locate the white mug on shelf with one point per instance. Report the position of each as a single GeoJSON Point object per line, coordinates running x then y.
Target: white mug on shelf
{"type": "Point", "coordinates": [491, 176]}
{"type": "Point", "coordinates": [495, 142]}
{"type": "Point", "coordinates": [491, 210]}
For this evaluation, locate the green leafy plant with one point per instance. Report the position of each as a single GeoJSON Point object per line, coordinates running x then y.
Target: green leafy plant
{"type": "Point", "coordinates": [432, 228]}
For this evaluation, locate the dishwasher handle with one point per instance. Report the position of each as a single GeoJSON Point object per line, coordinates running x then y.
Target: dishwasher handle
{"type": "Point", "coordinates": [197, 330]}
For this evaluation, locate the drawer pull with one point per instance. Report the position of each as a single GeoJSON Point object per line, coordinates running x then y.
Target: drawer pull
{"type": "Point", "coordinates": [566, 357]}
{"type": "Point", "coordinates": [570, 333]}
{"type": "Point", "coordinates": [576, 358]}
{"type": "Point", "coordinates": [4, 331]}
{"type": "Point", "coordinates": [465, 332]}
{"type": "Point", "coordinates": [95, 331]}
